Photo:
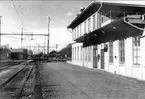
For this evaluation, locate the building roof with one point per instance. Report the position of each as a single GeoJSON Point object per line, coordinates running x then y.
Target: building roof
{"type": "Point", "coordinates": [108, 9]}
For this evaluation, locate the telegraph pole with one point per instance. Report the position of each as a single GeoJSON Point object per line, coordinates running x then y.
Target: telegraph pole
{"type": "Point", "coordinates": [0, 31]}
{"type": "Point", "coordinates": [44, 45]}
{"type": "Point", "coordinates": [48, 35]}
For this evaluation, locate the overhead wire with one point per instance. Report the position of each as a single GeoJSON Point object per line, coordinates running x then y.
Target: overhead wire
{"type": "Point", "coordinates": [37, 38]}
{"type": "Point", "coordinates": [17, 38]}
{"type": "Point", "coordinates": [12, 37]}
{"type": "Point", "coordinates": [18, 14]}
{"type": "Point", "coordinates": [21, 12]}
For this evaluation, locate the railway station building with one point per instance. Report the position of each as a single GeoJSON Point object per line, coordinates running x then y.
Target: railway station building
{"type": "Point", "coordinates": [110, 37]}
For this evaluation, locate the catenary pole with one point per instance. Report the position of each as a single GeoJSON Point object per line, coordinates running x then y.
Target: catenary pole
{"type": "Point", "coordinates": [48, 35]}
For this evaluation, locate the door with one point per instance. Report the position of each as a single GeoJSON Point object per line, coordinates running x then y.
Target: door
{"type": "Point", "coordinates": [95, 59]}
{"type": "Point", "coordinates": [102, 58]}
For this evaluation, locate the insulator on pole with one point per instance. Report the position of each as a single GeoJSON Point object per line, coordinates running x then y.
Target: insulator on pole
{"type": "Point", "coordinates": [22, 35]}
{"type": "Point", "coordinates": [32, 36]}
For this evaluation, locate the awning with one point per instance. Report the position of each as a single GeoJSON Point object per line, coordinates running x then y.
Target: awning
{"type": "Point", "coordinates": [111, 10]}
{"type": "Point", "coordinates": [116, 30]}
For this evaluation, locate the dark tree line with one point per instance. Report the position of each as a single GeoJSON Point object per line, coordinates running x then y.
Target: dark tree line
{"type": "Point", "coordinates": [66, 51]}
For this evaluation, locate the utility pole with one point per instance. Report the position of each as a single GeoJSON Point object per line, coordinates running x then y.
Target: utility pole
{"type": "Point", "coordinates": [0, 31]}
{"type": "Point", "coordinates": [48, 35]}
{"type": "Point", "coordinates": [44, 44]}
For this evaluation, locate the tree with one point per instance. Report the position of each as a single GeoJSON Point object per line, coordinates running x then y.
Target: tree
{"type": "Point", "coordinates": [66, 51]}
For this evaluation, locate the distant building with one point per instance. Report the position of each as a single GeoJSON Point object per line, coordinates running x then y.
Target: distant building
{"type": "Point", "coordinates": [18, 54]}
{"type": "Point", "coordinates": [110, 37]}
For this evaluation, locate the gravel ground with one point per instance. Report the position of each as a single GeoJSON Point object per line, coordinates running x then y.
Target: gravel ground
{"type": "Point", "coordinates": [12, 89]}
{"type": "Point", "coordinates": [66, 81]}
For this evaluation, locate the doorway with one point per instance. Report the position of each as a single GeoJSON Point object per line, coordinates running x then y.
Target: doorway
{"type": "Point", "coordinates": [102, 58]}
{"type": "Point", "coordinates": [95, 59]}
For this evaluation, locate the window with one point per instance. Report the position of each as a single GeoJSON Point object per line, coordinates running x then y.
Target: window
{"type": "Point", "coordinates": [85, 26]}
{"type": "Point", "coordinates": [98, 20]}
{"type": "Point", "coordinates": [102, 19]}
{"type": "Point", "coordinates": [81, 53]}
{"type": "Point", "coordinates": [80, 30]}
{"type": "Point", "coordinates": [77, 31]}
{"type": "Point", "coordinates": [136, 50]}
{"type": "Point", "coordinates": [121, 52]}
{"type": "Point", "coordinates": [89, 53]}
{"type": "Point", "coordinates": [77, 53]}
{"type": "Point", "coordinates": [110, 52]}
{"type": "Point", "coordinates": [74, 53]}
{"type": "Point", "coordinates": [85, 53]}
{"type": "Point", "coordinates": [74, 34]}
{"type": "Point", "coordinates": [94, 21]}
{"type": "Point", "coordinates": [89, 25]}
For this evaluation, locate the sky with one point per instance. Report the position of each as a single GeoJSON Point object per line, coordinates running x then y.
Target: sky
{"type": "Point", "coordinates": [32, 16]}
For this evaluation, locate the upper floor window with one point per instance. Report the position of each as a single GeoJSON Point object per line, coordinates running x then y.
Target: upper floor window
{"type": "Point", "coordinates": [73, 34]}
{"type": "Point", "coordinates": [121, 51]}
{"type": "Point", "coordinates": [85, 26]}
{"type": "Point", "coordinates": [102, 19]}
{"type": "Point", "coordinates": [136, 50]}
{"type": "Point", "coordinates": [80, 30]}
{"type": "Point", "coordinates": [110, 52]}
{"type": "Point", "coordinates": [89, 25]}
{"type": "Point", "coordinates": [98, 20]}
{"type": "Point", "coordinates": [77, 31]}
{"type": "Point", "coordinates": [94, 22]}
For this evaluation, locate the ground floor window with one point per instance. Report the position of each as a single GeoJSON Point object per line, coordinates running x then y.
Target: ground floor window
{"type": "Point", "coordinates": [81, 56]}
{"type": "Point", "coordinates": [72, 53]}
{"type": "Point", "coordinates": [122, 51]}
{"type": "Point", "coordinates": [89, 53]}
{"type": "Point", "coordinates": [85, 53]}
{"type": "Point", "coordinates": [77, 53]}
{"type": "Point", "coordinates": [136, 50]}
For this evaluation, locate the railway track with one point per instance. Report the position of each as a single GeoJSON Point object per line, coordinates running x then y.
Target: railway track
{"type": "Point", "coordinates": [13, 87]}
{"type": "Point", "coordinates": [6, 66]}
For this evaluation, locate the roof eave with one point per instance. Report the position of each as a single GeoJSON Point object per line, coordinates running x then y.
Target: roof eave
{"type": "Point", "coordinates": [81, 14]}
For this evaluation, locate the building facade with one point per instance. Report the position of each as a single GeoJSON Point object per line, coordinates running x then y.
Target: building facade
{"type": "Point", "coordinates": [110, 37]}
{"type": "Point", "coordinates": [18, 54]}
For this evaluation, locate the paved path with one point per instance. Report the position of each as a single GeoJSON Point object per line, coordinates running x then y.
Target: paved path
{"type": "Point", "coordinates": [65, 81]}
